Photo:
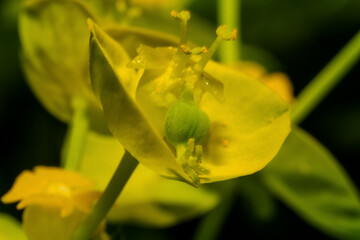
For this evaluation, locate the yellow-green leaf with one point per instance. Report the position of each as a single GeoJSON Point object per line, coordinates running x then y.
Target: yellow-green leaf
{"type": "Point", "coordinates": [10, 228]}
{"type": "Point", "coordinates": [310, 180]}
{"type": "Point", "coordinates": [54, 40]}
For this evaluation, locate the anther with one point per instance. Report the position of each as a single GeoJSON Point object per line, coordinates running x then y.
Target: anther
{"type": "Point", "coordinates": [183, 17]}
{"type": "Point", "coordinates": [185, 49]}
{"type": "Point", "coordinates": [191, 145]}
{"type": "Point", "coordinates": [174, 13]}
{"type": "Point", "coordinates": [198, 153]}
{"type": "Point", "coordinates": [189, 158]}
{"type": "Point", "coordinates": [222, 31]}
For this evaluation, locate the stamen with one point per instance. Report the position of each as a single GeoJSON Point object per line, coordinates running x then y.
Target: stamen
{"type": "Point", "coordinates": [183, 17]}
{"type": "Point", "coordinates": [191, 173]}
{"type": "Point", "coordinates": [223, 32]}
{"type": "Point", "coordinates": [197, 161]}
{"type": "Point", "coordinates": [199, 153]}
{"type": "Point", "coordinates": [183, 53]}
{"type": "Point", "coordinates": [223, 35]}
{"type": "Point", "coordinates": [185, 49]}
{"type": "Point", "coordinates": [189, 157]}
{"type": "Point", "coordinates": [190, 147]}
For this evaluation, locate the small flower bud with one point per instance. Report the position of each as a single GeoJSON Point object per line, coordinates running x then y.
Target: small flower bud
{"type": "Point", "coordinates": [183, 121]}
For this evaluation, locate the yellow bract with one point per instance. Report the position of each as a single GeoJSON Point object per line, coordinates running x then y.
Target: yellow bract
{"type": "Point", "coordinates": [246, 130]}
{"type": "Point", "coordinates": [52, 187]}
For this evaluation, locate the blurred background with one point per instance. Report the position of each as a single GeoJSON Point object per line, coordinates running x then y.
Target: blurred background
{"type": "Point", "coordinates": [299, 36]}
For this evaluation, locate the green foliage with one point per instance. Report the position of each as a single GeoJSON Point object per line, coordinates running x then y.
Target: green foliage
{"type": "Point", "coordinates": [55, 57]}
{"type": "Point", "coordinates": [10, 228]}
{"type": "Point", "coordinates": [310, 180]}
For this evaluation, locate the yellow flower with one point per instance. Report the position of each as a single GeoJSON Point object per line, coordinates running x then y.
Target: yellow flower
{"type": "Point", "coordinates": [65, 78]}
{"type": "Point", "coordinates": [52, 187]}
{"type": "Point", "coordinates": [243, 123]}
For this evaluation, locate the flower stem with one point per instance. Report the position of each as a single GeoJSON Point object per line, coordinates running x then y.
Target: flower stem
{"type": "Point", "coordinates": [326, 80]}
{"type": "Point", "coordinates": [116, 185]}
{"type": "Point", "coordinates": [75, 137]}
{"type": "Point", "coordinates": [229, 15]}
{"type": "Point", "coordinates": [211, 225]}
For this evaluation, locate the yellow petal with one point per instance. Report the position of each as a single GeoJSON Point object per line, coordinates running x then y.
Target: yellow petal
{"type": "Point", "coordinates": [83, 200]}
{"type": "Point", "coordinates": [25, 185]}
{"type": "Point", "coordinates": [247, 130]}
{"type": "Point", "coordinates": [65, 205]}
{"type": "Point", "coordinates": [52, 187]}
{"type": "Point", "coordinates": [65, 177]}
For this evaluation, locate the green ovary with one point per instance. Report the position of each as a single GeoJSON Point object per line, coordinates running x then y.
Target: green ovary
{"type": "Point", "coordinates": [184, 121]}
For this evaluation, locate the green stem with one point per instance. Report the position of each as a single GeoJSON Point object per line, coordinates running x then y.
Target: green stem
{"type": "Point", "coordinates": [326, 80]}
{"type": "Point", "coordinates": [211, 225]}
{"type": "Point", "coordinates": [229, 15]}
{"type": "Point", "coordinates": [108, 198]}
{"type": "Point", "coordinates": [75, 138]}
